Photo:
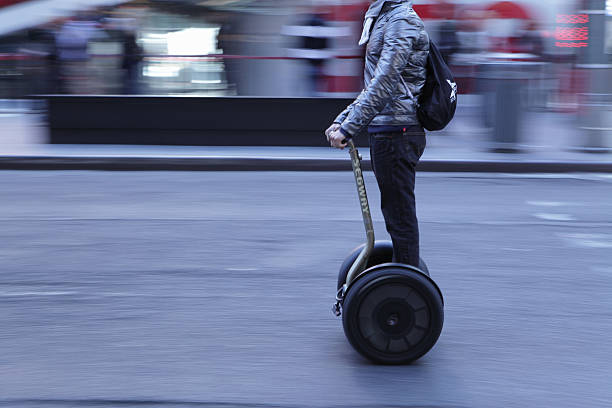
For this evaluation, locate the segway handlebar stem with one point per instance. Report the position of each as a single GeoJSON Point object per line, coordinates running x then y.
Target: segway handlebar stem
{"type": "Point", "coordinates": [362, 259]}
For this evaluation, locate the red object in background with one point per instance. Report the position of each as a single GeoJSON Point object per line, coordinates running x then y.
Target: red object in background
{"type": "Point", "coordinates": [572, 33]}
{"type": "Point", "coordinates": [344, 12]}
{"type": "Point", "coordinates": [571, 44]}
{"type": "Point", "coordinates": [508, 9]}
{"type": "Point", "coordinates": [342, 84]}
{"type": "Point", "coordinates": [569, 34]}
{"type": "Point", "coordinates": [4, 3]}
{"type": "Point", "coordinates": [436, 10]}
{"type": "Point", "coordinates": [426, 11]}
{"type": "Point", "coordinates": [343, 76]}
{"type": "Point", "coordinates": [572, 18]}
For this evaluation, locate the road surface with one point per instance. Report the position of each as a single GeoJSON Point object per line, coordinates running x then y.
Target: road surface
{"type": "Point", "coordinates": [214, 289]}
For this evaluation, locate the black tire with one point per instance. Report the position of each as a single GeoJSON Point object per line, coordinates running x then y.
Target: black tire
{"type": "Point", "coordinates": [382, 253]}
{"type": "Point", "coordinates": [393, 315]}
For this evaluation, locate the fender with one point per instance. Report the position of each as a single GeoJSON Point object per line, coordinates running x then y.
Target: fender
{"type": "Point", "coordinates": [397, 265]}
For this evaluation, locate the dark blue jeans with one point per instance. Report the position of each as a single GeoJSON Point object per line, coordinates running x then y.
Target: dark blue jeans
{"type": "Point", "coordinates": [394, 158]}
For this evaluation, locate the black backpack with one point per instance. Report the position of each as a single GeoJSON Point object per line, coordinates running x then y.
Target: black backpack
{"type": "Point", "coordinates": [438, 99]}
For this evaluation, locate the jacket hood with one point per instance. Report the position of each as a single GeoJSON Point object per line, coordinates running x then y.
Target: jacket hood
{"type": "Point", "coordinates": [372, 14]}
{"type": "Point", "coordinates": [376, 7]}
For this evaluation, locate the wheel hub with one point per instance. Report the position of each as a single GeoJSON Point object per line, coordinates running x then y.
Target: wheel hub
{"type": "Point", "coordinates": [395, 317]}
{"type": "Point", "coordinates": [392, 320]}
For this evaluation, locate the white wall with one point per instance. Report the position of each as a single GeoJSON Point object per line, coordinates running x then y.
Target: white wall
{"type": "Point", "coordinates": [37, 12]}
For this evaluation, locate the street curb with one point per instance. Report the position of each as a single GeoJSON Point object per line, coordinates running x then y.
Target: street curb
{"type": "Point", "coordinates": [217, 163]}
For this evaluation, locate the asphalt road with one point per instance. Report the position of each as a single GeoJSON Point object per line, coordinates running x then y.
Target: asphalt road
{"type": "Point", "coordinates": [204, 289]}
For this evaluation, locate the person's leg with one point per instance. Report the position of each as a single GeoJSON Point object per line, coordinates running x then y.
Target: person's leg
{"type": "Point", "coordinates": [395, 157]}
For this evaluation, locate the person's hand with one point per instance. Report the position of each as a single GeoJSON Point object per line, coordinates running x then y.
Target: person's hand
{"type": "Point", "coordinates": [332, 128]}
{"type": "Point", "coordinates": [337, 139]}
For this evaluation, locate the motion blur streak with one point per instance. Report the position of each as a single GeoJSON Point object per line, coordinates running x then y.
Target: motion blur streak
{"type": "Point", "coordinates": [511, 60]}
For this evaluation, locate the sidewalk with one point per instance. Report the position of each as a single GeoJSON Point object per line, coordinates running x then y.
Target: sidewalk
{"type": "Point", "coordinates": [458, 149]}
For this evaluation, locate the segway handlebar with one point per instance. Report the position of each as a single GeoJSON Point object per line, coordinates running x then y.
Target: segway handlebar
{"type": "Point", "coordinates": [359, 264]}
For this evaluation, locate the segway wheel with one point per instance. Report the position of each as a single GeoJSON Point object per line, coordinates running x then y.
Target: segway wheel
{"type": "Point", "coordinates": [393, 315]}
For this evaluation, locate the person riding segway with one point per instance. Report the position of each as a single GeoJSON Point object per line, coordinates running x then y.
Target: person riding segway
{"type": "Point", "coordinates": [392, 310]}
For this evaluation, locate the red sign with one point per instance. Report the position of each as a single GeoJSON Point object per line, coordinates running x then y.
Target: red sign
{"type": "Point", "coordinates": [572, 18]}
{"type": "Point", "coordinates": [571, 31]}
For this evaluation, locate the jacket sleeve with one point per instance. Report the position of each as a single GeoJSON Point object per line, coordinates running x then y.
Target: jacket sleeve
{"type": "Point", "coordinates": [399, 36]}
{"type": "Point", "coordinates": [340, 118]}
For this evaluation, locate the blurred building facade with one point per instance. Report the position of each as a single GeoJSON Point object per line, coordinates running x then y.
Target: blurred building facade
{"type": "Point", "coordinates": [558, 52]}
{"type": "Point", "coordinates": [252, 47]}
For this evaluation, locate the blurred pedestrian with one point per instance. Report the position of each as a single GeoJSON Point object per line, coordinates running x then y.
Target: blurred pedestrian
{"type": "Point", "coordinates": [55, 83]}
{"type": "Point", "coordinates": [530, 40]}
{"type": "Point", "coordinates": [448, 42]}
{"type": "Point", "coordinates": [229, 40]}
{"type": "Point", "coordinates": [130, 63]}
{"type": "Point", "coordinates": [447, 39]}
{"type": "Point", "coordinates": [72, 42]}
{"type": "Point", "coordinates": [313, 46]}
{"type": "Point", "coordinates": [395, 72]}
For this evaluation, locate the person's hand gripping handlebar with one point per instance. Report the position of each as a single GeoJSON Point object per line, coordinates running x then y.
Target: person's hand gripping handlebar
{"type": "Point", "coordinates": [335, 137]}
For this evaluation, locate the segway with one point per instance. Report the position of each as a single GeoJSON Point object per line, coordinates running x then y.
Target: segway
{"type": "Point", "coordinates": [392, 313]}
